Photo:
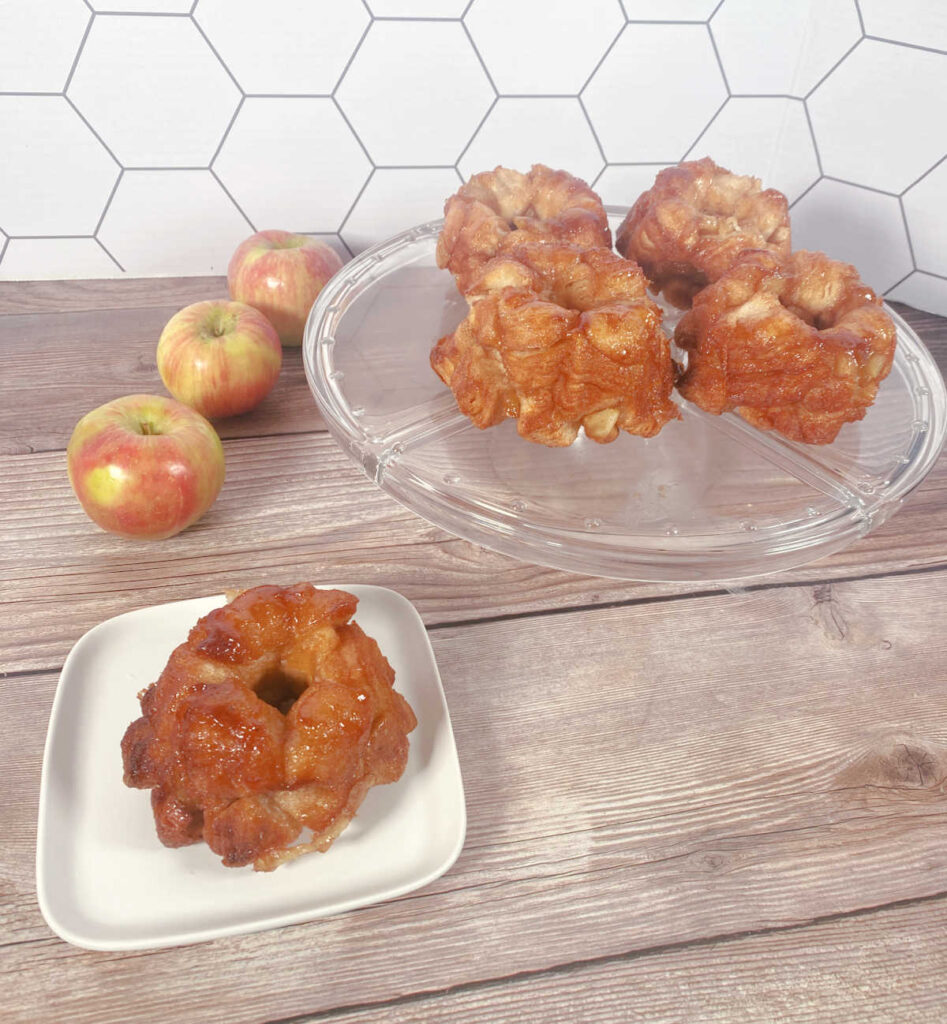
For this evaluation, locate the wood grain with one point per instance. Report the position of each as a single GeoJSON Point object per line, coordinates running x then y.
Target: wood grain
{"type": "Point", "coordinates": [59, 364]}
{"type": "Point", "coordinates": [56, 367]}
{"type": "Point", "coordinates": [875, 968]}
{"type": "Point", "coordinates": [125, 293]}
{"type": "Point", "coordinates": [297, 508]}
{"type": "Point", "coordinates": [636, 777]}
{"type": "Point", "coordinates": [677, 795]}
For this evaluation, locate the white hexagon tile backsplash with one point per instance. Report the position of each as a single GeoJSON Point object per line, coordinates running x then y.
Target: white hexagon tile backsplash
{"type": "Point", "coordinates": [147, 137]}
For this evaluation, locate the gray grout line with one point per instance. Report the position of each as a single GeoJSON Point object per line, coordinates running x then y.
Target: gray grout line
{"type": "Point", "coordinates": [229, 195]}
{"type": "Point", "coordinates": [929, 170]}
{"type": "Point", "coordinates": [223, 138]}
{"type": "Point", "coordinates": [418, 17]}
{"type": "Point", "coordinates": [108, 253]}
{"type": "Point", "coordinates": [815, 141]}
{"type": "Point", "coordinates": [907, 231]}
{"type": "Point", "coordinates": [601, 60]}
{"type": "Point", "coordinates": [799, 198]}
{"type": "Point", "coordinates": [867, 188]}
{"type": "Point", "coordinates": [142, 14]}
{"type": "Point", "coordinates": [703, 132]}
{"type": "Point", "coordinates": [476, 132]}
{"type": "Point", "coordinates": [723, 74]}
{"type": "Point", "coordinates": [639, 163]}
{"type": "Point", "coordinates": [358, 138]}
{"type": "Point", "coordinates": [75, 62]}
{"type": "Point", "coordinates": [897, 284]}
{"type": "Point", "coordinates": [766, 96]}
{"type": "Point", "coordinates": [287, 95]}
{"type": "Point", "coordinates": [351, 209]}
{"type": "Point", "coordinates": [48, 238]}
{"type": "Point", "coordinates": [213, 50]}
{"type": "Point", "coordinates": [836, 65]}
{"type": "Point", "coordinates": [598, 141]}
{"type": "Point", "coordinates": [3, 248]}
{"type": "Point", "coordinates": [486, 71]}
{"type": "Point", "coordinates": [85, 121]}
{"type": "Point", "coordinates": [538, 95]}
{"type": "Point", "coordinates": [497, 96]}
{"type": "Point", "coordinates": [415, 167]}
{"type": "Point", "coordinates": [44, 238]}
{"type": "Point", "coordinates": [166, 167]}
{"type": "Point", "coordinates": [930, 273]}
{"type": "Point", "coordinates": [108, 201]}
{"type": "Point", "coordinates": [353, 55]}
{"type": "Point", "coordinates": [906, 45]}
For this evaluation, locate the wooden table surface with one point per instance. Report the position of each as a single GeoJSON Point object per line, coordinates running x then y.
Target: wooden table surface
{"type": "Point", "coordinates": [684, 803]}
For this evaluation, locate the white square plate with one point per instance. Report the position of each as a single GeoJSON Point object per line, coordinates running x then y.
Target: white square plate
{"type": "Point", "coordinates": [104, 881]}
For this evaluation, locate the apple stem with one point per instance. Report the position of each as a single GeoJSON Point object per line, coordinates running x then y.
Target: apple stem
{"type": "Point", "coordinates": [147, 428]}
{"type": "Point", "coordinates": [218, 323]}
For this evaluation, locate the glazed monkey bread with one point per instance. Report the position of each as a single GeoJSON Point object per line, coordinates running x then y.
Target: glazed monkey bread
{"type": "Point", "coordinates": [560, 338]}
{"type": "Point", "coordinates": [501, 207]}
{"type": "Point", "coordinates": [798, 345]}
{"type": "Point", "coordinates": [277, 715]}
{"type": "Point", "coordinates": [693, 224]}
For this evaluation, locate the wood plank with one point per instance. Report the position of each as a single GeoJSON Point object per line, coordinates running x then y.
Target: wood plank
{"type": "Point", "coordinates": [883, 966]}
{"type": "Point", "coordinates": [56, 367]}
{"type": "Point", "coordinates": [635, 777]}
{"type": "Point", "coordinates": [296, 507]}
{"type": "Point", "coordinates": [931, 327]}
{"type": "Point", "coordinates": [125, 293]}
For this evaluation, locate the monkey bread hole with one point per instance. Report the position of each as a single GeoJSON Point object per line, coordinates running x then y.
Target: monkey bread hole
{"type": "Point", "coordinates": [280, 689]}
{"type": "Point", "coordinates": [820, 319]}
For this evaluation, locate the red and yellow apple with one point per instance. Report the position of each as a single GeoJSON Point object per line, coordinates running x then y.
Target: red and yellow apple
{"type": "Point", "coordinates": [281, 275]}
{"type": "Point", "coordinates": [220, 358]}
{"type": "Point", "coordinates": [145, 466]}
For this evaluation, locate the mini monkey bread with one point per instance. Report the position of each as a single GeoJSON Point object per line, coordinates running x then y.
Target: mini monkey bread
{"type": "Point", "coordinates": [561, 335]}
{"type": "Point", "coordinates": [695, 222]}
{"type": "Point", "coordinates": [560, 338]}
{"type": "Point", "coordinates": [797, 345]}
{"type": "Point", "coordinates": [503, 207]}
{"type": "Point", "coordinates": [278, 714]}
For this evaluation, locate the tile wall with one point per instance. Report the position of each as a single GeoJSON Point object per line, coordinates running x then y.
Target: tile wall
{"type": "Point", "coordinates": [147, 137]}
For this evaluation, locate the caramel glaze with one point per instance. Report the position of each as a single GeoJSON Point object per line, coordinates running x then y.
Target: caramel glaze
{"type": "Point", "coordinates": [277, 715]}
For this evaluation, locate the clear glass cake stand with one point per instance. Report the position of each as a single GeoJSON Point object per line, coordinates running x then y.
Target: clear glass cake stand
{"type": "Point", "coordinates": [709, 498]}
